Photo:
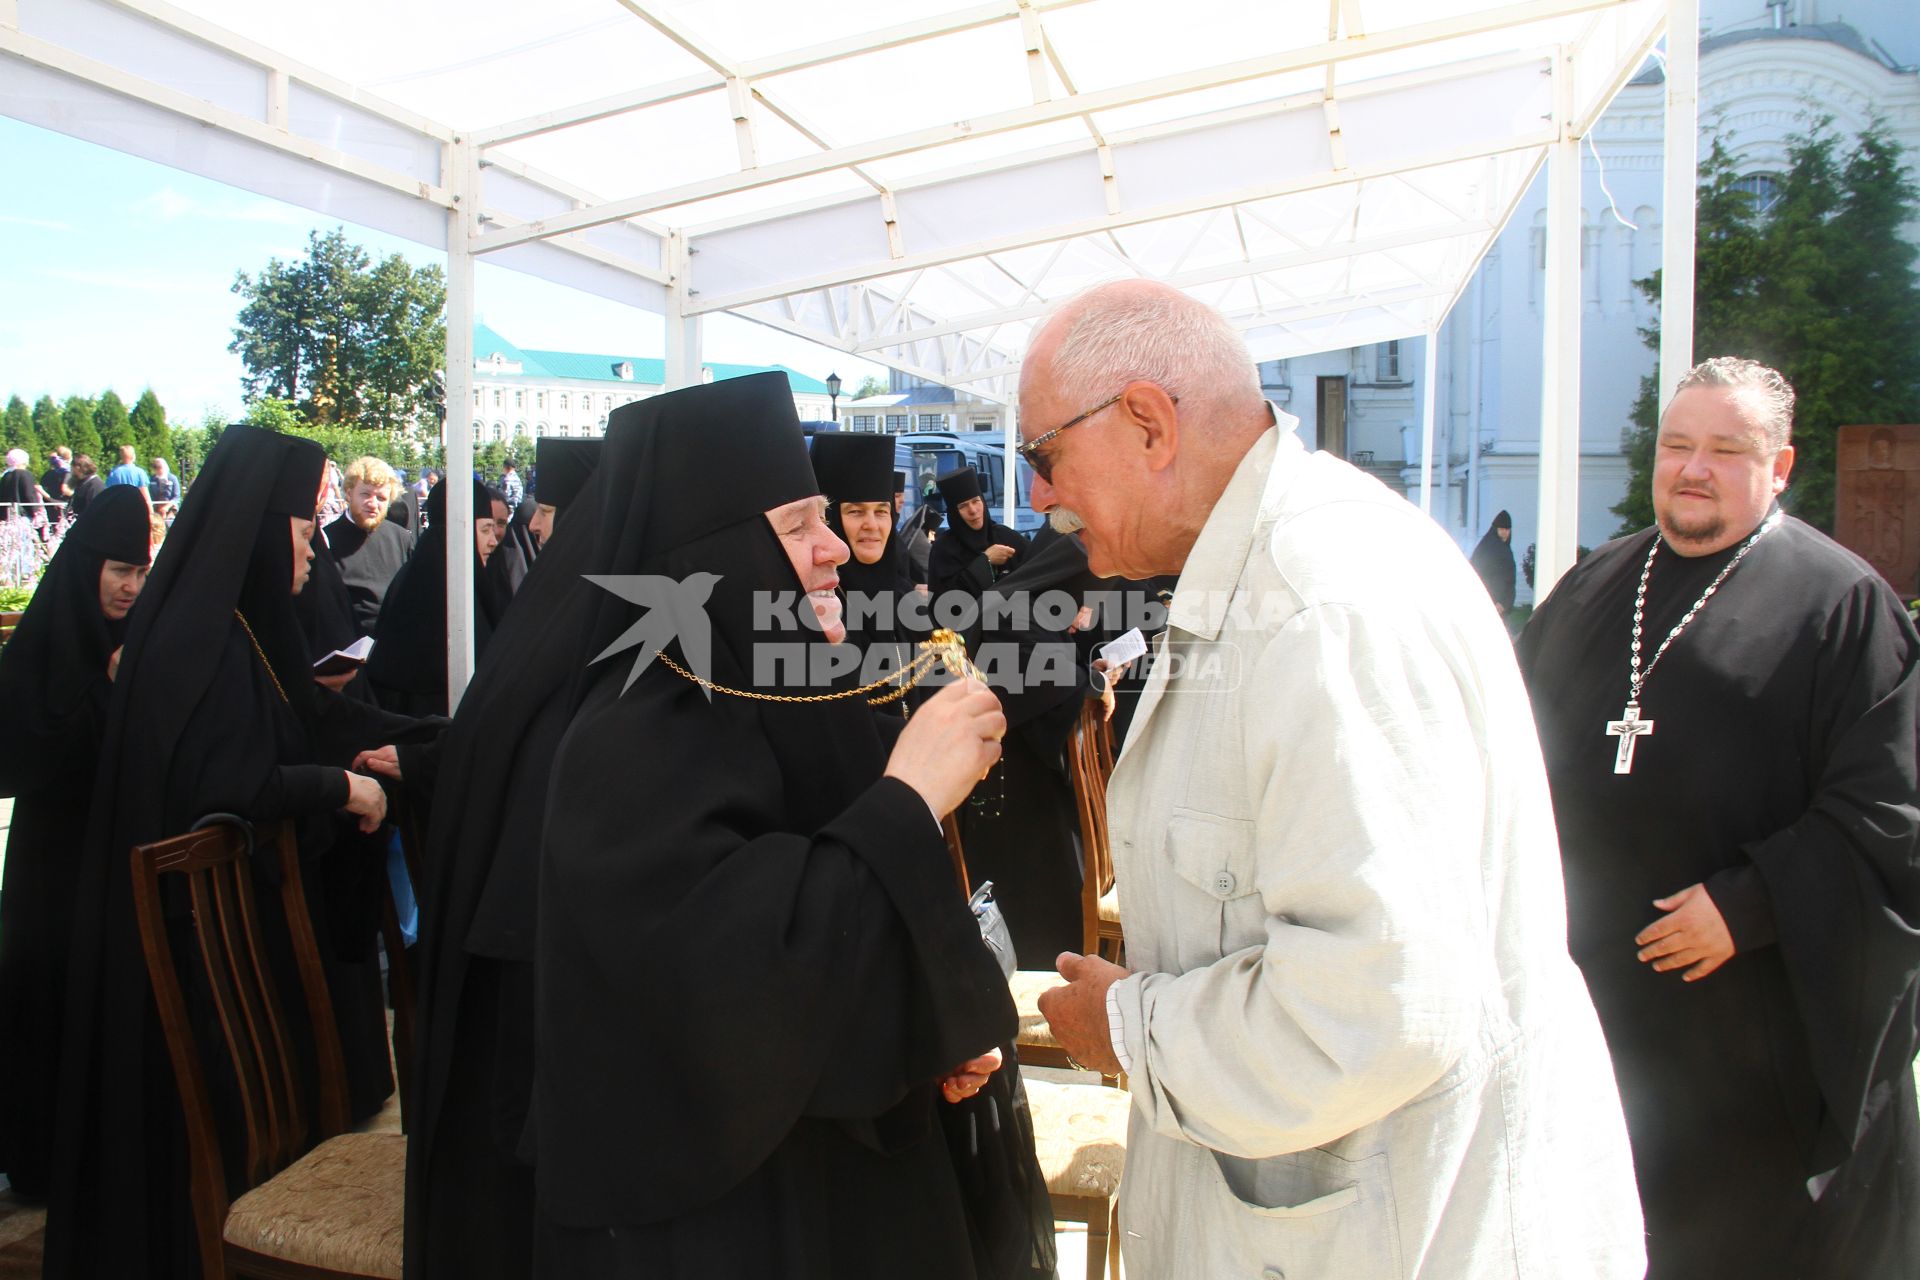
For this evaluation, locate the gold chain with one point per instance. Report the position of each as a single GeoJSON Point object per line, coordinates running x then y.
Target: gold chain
{"type": "Point", "coordinates": [945, 648]}
{"type": "Point", "coordinates": [263, 656]}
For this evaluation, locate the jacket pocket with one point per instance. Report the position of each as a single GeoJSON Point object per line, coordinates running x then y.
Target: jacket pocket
{"type": "Point", "coordinates": [1220, 912]}
{"type": "Point", "coordinates": [1309, 1213]}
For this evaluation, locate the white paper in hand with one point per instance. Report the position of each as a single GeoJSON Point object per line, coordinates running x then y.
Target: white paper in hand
{"type": "Point", "coordinates": [1123, 649]}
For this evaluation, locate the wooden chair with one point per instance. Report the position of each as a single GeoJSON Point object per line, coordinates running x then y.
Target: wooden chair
{"type": "Point", "coordinates": [1080, 1137]}
{"type": "Point", "coordinates": [331, 1211]}
{"type": "Point", "coordinates": [1089, 765]}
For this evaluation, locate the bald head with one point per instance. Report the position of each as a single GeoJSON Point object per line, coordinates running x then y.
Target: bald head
{"type": "Point", "coordinates": [1141, 330]}
{"type": "Point", "coordinates": [1154, 401]}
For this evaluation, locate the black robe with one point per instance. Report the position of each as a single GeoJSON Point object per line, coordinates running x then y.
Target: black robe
{"type": "Point", "coordinates": [469, 1183]}
{"type": "Point", "coordinates": [1781, 774]}
{"type": "Point", "coordinates": [958, 561]}
{"type": "Point", "coordinates": [747, 995]}
{"type": "Point", "coordinates": [368, 562]}
{"type": "Point", "coordinates": [53, 680]}
{"type": "Point", "coordinates": [1492, 559]}
{"type": "Point", "coordinates": [409, 663]}
{"type": "Point", "coordinates": [198, 723]}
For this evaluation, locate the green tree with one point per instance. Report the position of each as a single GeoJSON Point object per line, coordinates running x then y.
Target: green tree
{"type": "Point", "coordinates": [110, 419]}
{"type": "Point", "coordinates": [1821, 286]}
{"type": "Point", "coordinates": [870, 386]}
{"type": "Point", "coordinates": [348, 342]}
{"type": "Point", "coordinates": [48, 424]}
{"type": "Point", "coordinates": [82, 436]}
{"type": "Point", "coordinates": [151, 435]}
{"type": "Point", "coordinates": [16, 424]}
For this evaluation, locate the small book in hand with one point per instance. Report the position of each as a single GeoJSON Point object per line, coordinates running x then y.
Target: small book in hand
{"type": "Point", "coordinates": [341, 661]}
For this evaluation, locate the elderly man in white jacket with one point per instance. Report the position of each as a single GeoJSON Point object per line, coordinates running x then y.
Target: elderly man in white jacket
{"type": "Point", "coordinates": [1355, 1043]}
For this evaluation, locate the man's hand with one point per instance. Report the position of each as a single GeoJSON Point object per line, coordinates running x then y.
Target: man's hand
{"type": "Point", "coordinates": [366, 801]}
{"type": "Point", "coordinates": [998, 554]}
{"type": "Point", "coordinates": [1077, 1012]}
{"type": "Point", "coordinates": [1691, 933]}
{"type": "Point", "coordinates": [339, 682]}
{"type": "Point", "coordinates": [384, 761]}
{"type": "Point", "coordinates": [970, 1076]}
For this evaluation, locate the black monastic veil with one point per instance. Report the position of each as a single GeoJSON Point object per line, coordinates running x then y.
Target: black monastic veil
{"type": "Point", "coordinates": [753, 963]}
{"type": "Point", "coordinates": [53, 682]}
{"type": "Point", "coordinates": [203, 718]}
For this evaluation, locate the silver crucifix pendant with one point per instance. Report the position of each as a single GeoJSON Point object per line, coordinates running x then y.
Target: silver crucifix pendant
{"type": "Point", "coordinates": [1628, 729]}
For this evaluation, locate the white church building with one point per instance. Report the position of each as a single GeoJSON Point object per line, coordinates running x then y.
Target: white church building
{"type": "Point", "coordinates": [1766, 70]}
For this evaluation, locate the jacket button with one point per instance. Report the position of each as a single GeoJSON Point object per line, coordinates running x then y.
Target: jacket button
{"type": "Point", "coordinates": [1273, 1273]}
{"type": "Point", "coordinates": [1223, 885]}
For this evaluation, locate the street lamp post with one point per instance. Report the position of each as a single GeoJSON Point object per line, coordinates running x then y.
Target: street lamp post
{"type": "Point", "coordinates": [833, 396]}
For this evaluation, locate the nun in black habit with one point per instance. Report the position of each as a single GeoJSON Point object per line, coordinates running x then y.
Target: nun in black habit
{"type": "Point", "coordinates": [963, 556]}
{"type": "Point", "coordinates": [55, 682]}
{"type": "Point", "coordinates": [408, 668]}
{"type": "Point", "coordinates": [756, 978]}
{"type": "Point", "coordinates": [469, 1184]}
{"type": "Point", "coordinates": [213, 710]}
{"type": "Point", "coordinates": [560, 478]}
{"type": "Point", "coordinates": [855, 473]}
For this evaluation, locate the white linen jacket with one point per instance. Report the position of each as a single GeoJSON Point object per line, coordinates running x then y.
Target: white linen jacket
{"type": "Point", "coordinates": [1358, 1046]}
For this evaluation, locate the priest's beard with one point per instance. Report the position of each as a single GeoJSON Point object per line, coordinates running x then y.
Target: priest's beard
{"type": "Point", "coordinates": [1683, 534]}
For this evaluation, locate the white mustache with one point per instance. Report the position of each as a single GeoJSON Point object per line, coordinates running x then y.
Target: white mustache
{"type": "Point", "coordinates": [1064, 520]}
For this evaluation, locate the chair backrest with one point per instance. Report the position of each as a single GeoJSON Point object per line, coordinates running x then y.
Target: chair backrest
{"type": "Point", "coordinates": [227, 950]}
{"type": "Point", "coordinates": [1089, 765]}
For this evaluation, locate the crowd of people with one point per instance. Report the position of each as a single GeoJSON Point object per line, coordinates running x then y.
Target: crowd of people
{"type": "Point", "coordinates": [1434, 966]}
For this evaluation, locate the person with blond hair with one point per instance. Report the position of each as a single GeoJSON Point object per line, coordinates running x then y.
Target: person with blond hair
{"type": "Point", "coordinates": [368, 548]}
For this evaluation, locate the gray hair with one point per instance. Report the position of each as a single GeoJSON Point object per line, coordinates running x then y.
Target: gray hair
{"type": "Point", "coordinates": [1182, 345]}
{"type": "Point", "coordinates": [1767, 391]}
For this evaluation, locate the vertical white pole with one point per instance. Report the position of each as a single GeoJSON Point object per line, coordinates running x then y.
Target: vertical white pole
{"type": "Point", "coordinates": [1012, 433]}
{"type": "Point", "coordinates": [1429, 371]}
{"type": "Point", "coordinates": [457, 429]}
{"type": "Point", "coordinates": [683, 330]}
{"type": "Point", "coordinates": [1678, 194]}
{"type": "Point", "coordinates": [1558, 539]}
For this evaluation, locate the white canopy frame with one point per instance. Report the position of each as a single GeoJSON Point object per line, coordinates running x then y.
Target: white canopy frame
{"type": "Point", "coordinates": [1322, 192]}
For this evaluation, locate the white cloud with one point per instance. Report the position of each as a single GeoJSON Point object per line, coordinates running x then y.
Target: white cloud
{"type": "Point", "coordinates": [138, 280]}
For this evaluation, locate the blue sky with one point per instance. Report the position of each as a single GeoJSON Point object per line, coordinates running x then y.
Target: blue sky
{"type": "Point", "coordinates": [117, 272]}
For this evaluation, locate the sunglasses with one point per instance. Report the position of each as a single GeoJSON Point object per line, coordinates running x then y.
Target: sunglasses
{"type": "Point", "coordinates": [1043, 465]}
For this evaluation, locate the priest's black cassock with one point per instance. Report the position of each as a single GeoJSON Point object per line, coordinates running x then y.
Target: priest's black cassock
{"type": "Point", "coordinates": [958, 560]}
{"type": "Point", "coordinates": [368, 563]}
{"type": "Point", "coordinates": [53, 682]}
{"type": "Point", "coordinates": [469, 1184]}
{"type": "Point", "coordinates": [753, 963]}
{"type": "Point", "coordinates": [409, 664]}
{"type": "Point", "coordinates": [208, 714]}
{"type": "Point", "coordinates": [1781, 775]}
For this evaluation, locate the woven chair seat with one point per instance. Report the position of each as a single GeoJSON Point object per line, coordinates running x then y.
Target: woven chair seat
{"type": "Point", "coordinates": [1080, 1136]}
{"type": "Point", "coordinates": [339, 1207]}
{"type": "Point", "coordinates": [1026, 986]}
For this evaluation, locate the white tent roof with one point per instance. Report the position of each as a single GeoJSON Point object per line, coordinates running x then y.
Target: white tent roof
{"type": "Point", "coordinates": [1329, 173]}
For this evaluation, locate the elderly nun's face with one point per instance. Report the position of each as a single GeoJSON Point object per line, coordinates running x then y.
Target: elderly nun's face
{"type": "Point", "coordinates": [816, 555]}
{"type": "Point", "coordinates": [867, 525]}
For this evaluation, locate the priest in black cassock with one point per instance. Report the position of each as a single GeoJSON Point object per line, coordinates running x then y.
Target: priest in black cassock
{"type": "Point", "coordinates": [764, 1011]}
{"type": "Point", "coordinates": [408, 668]}
{"type": "Point", "coordinates": [469, 1178]}
{"type": "Point", "coordinates": [1727, 704]}
{"type": "Point", "coordinates": [973, 550]}
{"type": "Point", "coordinates": [56, 675]}
{"type": "Point", "coordinates": [369, 541]}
